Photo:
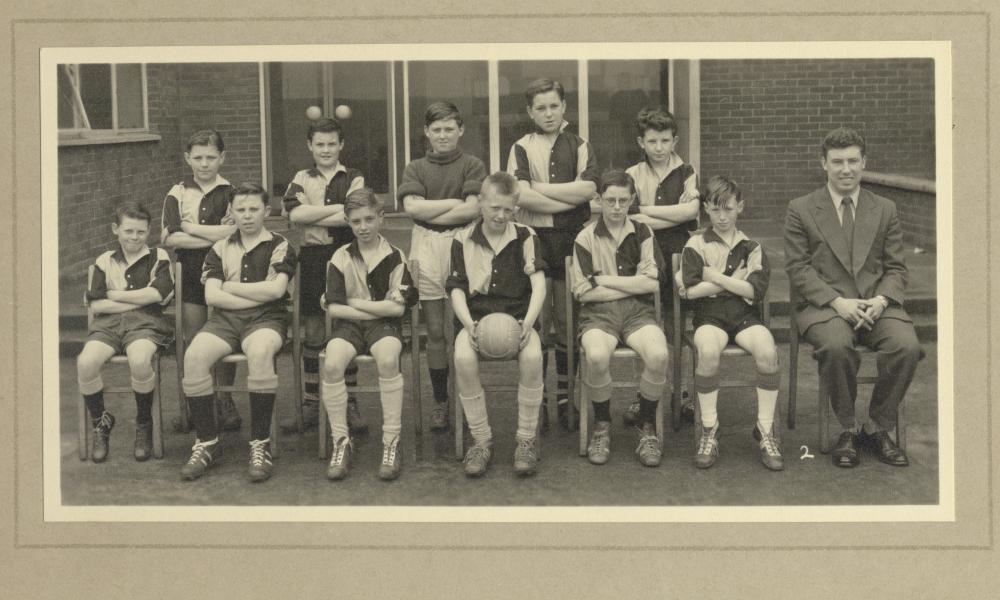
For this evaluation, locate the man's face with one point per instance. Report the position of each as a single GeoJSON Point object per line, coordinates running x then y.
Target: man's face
{"type": "Point", "coordinates": [615, 202]}
{"type": "Point", "coordinates": [497, 210]}
{"type": "Point", "coordinates": [444, 135]}
{"type": "Point", "coordinates": [366, 223]}
{"type": "Point", "coordinates": [658, 145]}
{"type": "Point", "coordinates": [325, 148]}
{"type": "Point", "coordinates": [205, 162]}
{"type": "Point", "coordinates": [132, 234]}
{"type": "Point", "coordinates": [249, 212]}
{"type": "Point", "coordinates": [547, 111]}
{"type": "Point", "coordinates": [843, 168]}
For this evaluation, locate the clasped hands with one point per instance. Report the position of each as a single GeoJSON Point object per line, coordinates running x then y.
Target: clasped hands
{"type": "Point", "coordinates": [859, 312]}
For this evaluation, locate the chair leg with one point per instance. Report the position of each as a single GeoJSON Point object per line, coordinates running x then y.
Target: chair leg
{"type": "Point", "coordinates": [83, 428]}
{"type": "Point", "coordinates": [275, 446]}
{"type": "Point", "coordinates": [675, 392]}
{"type": "Point", "coordinates": [416, 401]}
{"type": "Point", "coordinates": [157, 412]}
{"type": "Point", "coordinates": [321, 421]}
{"type": "Point", "coordinates": [793, 376]}
{"type": "Point", "coordinates": [584, 407]}
{"type": "Point", "coordinates": [297, 375]}
{"type": "Point", "coordinates": [458, 423]}
{"type": "Point", "coordinates": [698, 429]}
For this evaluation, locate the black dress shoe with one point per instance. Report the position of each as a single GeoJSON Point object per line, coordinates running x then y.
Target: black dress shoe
{"type": "Point", "coordinates": [884, 448]}
{"type": "Point", "coordinates": [844, 454]}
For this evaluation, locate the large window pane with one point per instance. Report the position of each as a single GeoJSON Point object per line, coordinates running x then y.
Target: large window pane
{"type": "Point", "coordinates": [129, 90]}
{"type": "Point", "coordinates": [463, 83]}
{"type": "Point", "coordinates": [618, 90]}
{"type": "Point", "coordinates": [515, 75]}
{"type": "Point", "coordinates": [66, 98]}
{"type": "Point", "coordinates": [95, 88]}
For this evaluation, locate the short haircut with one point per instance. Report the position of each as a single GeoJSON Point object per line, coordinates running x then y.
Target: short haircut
{"type": "Point", "coordinates": [250, 188]}
{"type": "Point", "coordinates": [132, 210]}
{"type": "Point", "coordinates": [325, 125]}
{"type": "Point", "coordinates": [502, 183]}
{"type": "Point", "coordinates": [362, 198]}
{"type": "Point", "coordinates": [542, 86]}
{"type": "Point", "coordinates": [656, 119]}
{"type": "Point", "coordinates": [442, 111]}
{"type": "Point", "coordinates": [843, 138]}
{"type": "Point", "coordinates": [720, 189]}
{"type": "Point", "coordinates": [206, 137]}
{"type": "Point", "coordinates": [616, 177]}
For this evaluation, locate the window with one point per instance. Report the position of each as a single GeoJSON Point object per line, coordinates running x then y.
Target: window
{"type": "Point", "coordinates": [101, 99]}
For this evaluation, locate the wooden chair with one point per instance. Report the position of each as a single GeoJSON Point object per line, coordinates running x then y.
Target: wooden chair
{"type": "Point", "coordinates": [823, 395]}
{"type": "Point", "coordinates": [361, 360]}
{"type": "Point", "coordinates": [84, 425]}
{"type": "Point", "coordinates": [621, 352]}
{"type": "Point", "coordinates": [732, 350]}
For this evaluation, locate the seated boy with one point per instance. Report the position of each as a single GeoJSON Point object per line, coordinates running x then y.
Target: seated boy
{"type": "Point", "coordinates": [728, 275]}
{"type": "Point", "coordinates": [126, 294]}
{"type": "Point", "coordinates": [368, 287]}
{"type": "Point", "coordinates": [496, 268]}
{"type": "Point", "coordinates": [314, 203]}
{"type": "Point", "coordinates": [246, 280]}
{"type": "Point", "coordinates": [439, 192]}
{"type": "Point", "coordinates": [616, 265]}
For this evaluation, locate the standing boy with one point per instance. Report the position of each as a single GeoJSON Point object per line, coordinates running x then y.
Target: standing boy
{"type": "Point", "coordinates": [440, 192]}
{"type": "Point", "coordinates": [368, 287]}
{"type": "Point", "coordinates": [668, 200]}
{"type": "Point", "coordinates": [129, 287]}
{"type": "Point", "coordinates": [557, 173]}
{"type": "Point", "coordinates": [496, 268]}
{"type": "Point", "coordinates": [314, 202]}
{"type": "Point", "coordinates": [246, 279]}
{"type": "Point", "coordinates": [195, 216]}
{"type": "Point", "coordinates": [616, 268]}
{"type": "Point", "coordinates": [728, 275]}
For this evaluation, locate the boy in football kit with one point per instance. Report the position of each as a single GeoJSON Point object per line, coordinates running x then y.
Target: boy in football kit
{"type": "Point", "coordinates": [727, 274]}
{"type": "Point", "coordinates": [129, 287]}
{"type": "Point", "coordinates": [314, 202]}
{"type": "Point", "coordinates": [368, 287]}
{"type": "Point", "coordinates": [246, 279]}
{"type": "Point", "coordinates": [616, 268]}
{"type": "Point", "coordinates": [557, 173]}
{"type": "Point", "coordinates": [440, 192]}
{"type": "Point", "coordinates": [667, 189]}
{"type": "Point", "coordinates": [496, 268]}
{"type": "Point", "coordinates": [195, 216]}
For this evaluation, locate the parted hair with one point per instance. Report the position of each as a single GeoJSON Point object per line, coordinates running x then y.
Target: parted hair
{"type": "Point", "coordinates": [656, 119]}
{"type": "Point", "coordinates": [250, 188]}
{"type": "Point", "coordinates": [362, 198]}
{"type": "Point", "coordinates": [843, 137]}
{"type": "Point", "coordinates": [206, 137]}
{"type": "Point", "coordinates": [720, 189]}
{"type": "Point", "coordinates": [541, 86]}
{"type": "Point", "coordinates": [325, 125]}
{"type": "Point", "coordinates": [616, 177]}
{"type": "Point", "coordinates": [132, 210]}
{"type": "Point", "coordinates": [442, 111]}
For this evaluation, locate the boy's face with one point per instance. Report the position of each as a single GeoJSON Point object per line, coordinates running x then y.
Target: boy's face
{"type": "Point", "coordinates": [658, 145]}
{"type": "Point", "coordinates": [497, 210]}
{"type": "Point", "coordinates": [615, 202]}
{"type": "Point", "coordinates": [325, 148]}
{"type": "Point", "coordinates": [723, 216]}
{"type": "Point", "coordinates": [843, 168]}
{"type": "Point", "coordinates": [132, 234]}
{"type": "Point", "coordinates": [205, 162]}
{"type": "Point", "coordinates": [366, 223]}
{"type": "Point", "coordinates": [547, 110]}
{"type": "Point", "coordinates": [249, 211]}
{"type": "Point", "coordinates": [444, 135]}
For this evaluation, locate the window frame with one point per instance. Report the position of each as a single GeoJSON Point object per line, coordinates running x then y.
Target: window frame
{"type": "Point", "coordinates": [82, 133]}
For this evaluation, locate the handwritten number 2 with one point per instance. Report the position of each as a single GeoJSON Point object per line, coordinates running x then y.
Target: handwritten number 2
{"type": "Point", "coordinates": [805, 453]}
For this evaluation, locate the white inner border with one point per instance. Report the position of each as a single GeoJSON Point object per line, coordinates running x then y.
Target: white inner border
{"type": "Point", "coordinates": [939, 51]}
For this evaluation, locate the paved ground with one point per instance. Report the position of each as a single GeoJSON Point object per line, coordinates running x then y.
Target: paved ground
{"type": "Point", "coordinates": [563, 479]}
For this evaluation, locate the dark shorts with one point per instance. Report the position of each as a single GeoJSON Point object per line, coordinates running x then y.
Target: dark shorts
{"type": "Point", "coordinates": [619, 318]}
{"type": "Point", "coordinates": [554, 246]}
{"type": "Point", "coordinates": [312, 277]}
{"type": "Point", "coordinates": [233, 326]}
{"type": "Point", "coordinates": [363, 334]}
{"type": "Point", "coordinates": [728, 313]}
{"type": "Point", "coordinates": [120, 330]}
{"type": "Point", "coordinates": [193, 261]}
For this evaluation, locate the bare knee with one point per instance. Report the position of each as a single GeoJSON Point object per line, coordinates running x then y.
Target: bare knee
{"type": "Point", "coordinates": [656, 359]}
{"type": "Point", "coordinates": [708, 359]}
{"type": "Point", "coordinates": [597, 359]}
{"type": "Point", "coordinates": [88, 366]}
{"type": "Point", "coordinates": [767, 360]}
{"type": "Point", "coordinates": [387, 364]}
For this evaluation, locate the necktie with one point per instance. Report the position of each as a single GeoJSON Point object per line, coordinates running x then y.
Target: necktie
{"type": "Point", "coordinates": [847, 221]}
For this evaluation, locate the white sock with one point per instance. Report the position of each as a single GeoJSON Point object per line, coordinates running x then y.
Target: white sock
{"type": "Point", "coordinates": [528, 402]}
{"type": "Point", "coordinates": [475, 412]}
{"type": "Point", "coordinates": [391, 395]}
{"type": "Point", "coordinates": [708, 401]}
{"type": "Point", "coordinates": [335, 401]}
{"type": "Point", "coordinates": [767, 400]}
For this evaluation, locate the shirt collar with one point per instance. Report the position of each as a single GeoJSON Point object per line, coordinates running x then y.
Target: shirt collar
{"type": "Point", "coordinates": [711, 236]}
{"type": "Point", "coordinates": [119, 255]}
{"type": "Point", "coordinates": [601, 228]}
{"type": "Point", "coordinates": [237, 238]}
{"type": "Point", "coordinates": [189, 182]}
{"type": "Point", "coordinates": [562, 128]}
{"type": "Point", "coordinates": [479, 236]}
{"type": "Point", "coordinates": [315, 172]}
{"type": "Point", "coordinates": [674, 162]}
{"type": "Point", "coordinates": [837, 197]}
{"type": "Point", "coordinates": [354, 249]}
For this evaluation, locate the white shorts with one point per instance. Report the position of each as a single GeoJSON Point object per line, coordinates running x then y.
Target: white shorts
{"type": "Point", "coordinates": [433, 250]}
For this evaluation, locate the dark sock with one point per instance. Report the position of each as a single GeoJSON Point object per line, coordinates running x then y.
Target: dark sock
{"type": "Point", "coordinates": [143, 407]}
{"type": "Point", "coordinates": [203, 416]}
{"type": "Point", "coordinates": [545, 371]}
{"type": "Point", "coordinates": [439, 382]}
{"type": "Point", "coordinates": [310, 365]}
{"type": "Point", "coordinates": [261, 407]}
{"type": "Point", "coordinates": [351, 381]}
{"type": "Point", "coordinates": [95, 404]}
{"type": "Point", "coordinates": [602, 411]}
{"type": "Point", "coordinates": [647, 411]}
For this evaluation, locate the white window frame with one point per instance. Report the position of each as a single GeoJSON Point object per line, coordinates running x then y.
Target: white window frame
{"type": "Point", "coordinates": [81, 129]}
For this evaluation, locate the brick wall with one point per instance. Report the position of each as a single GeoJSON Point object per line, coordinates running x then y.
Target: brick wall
{"type": "Point", "coordinates": [762, 121]}
{"type": "Point", "coordinates": [93, 179]}
{"type": "Point", "coordinates": [917, 215]}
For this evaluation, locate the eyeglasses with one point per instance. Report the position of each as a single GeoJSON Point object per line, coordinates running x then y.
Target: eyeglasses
{"type": "Point", "coordinates": [617, 202]}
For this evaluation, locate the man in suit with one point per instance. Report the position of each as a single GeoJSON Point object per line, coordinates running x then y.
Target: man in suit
{"type": "Point", "coordinates": [845, 265]}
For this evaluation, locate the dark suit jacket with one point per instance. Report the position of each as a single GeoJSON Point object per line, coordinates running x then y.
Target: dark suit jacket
{"type": "Point", "coordinates": [817, 258]}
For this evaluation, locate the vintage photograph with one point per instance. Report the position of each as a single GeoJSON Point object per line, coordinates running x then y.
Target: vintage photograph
{"type": "Point", "coordinates": [625, 282]}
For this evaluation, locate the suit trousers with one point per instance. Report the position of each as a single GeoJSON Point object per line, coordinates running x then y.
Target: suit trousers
{"type": "Point", "coordinates": [897, 350]}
